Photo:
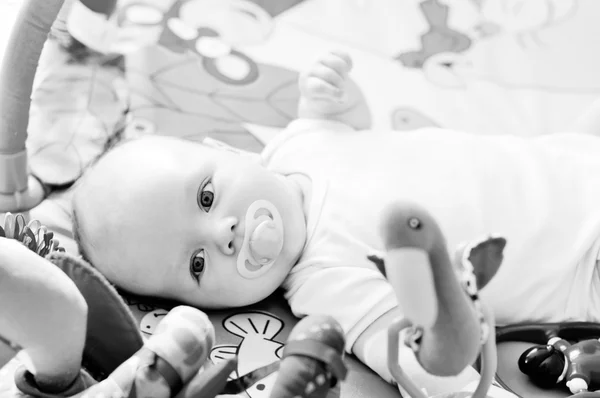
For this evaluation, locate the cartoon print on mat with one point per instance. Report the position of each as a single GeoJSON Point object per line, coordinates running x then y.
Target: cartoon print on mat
{"type": "Point", "coordinates": [150, 321]}
{"type": "Point", "coordinates": [523, 19]}
{"type": "Point", "coordinates": [199, 82]}
{"type": "Point", "coordinates": [526, 30]}
{"type": "Point", "coordinates": [440, 38]}
{"type": "Point", "coordinates": [211, 29]}
{"type": "Point", "coordinates": [407, 118]}
{"type": "Point", "coordinates": [257, 348]}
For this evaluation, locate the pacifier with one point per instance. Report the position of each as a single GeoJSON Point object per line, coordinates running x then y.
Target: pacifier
{"type": "Point", "coordinates": [263, 240]}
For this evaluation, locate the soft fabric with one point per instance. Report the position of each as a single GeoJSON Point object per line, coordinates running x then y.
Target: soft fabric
{"type": "Point", "coordinates": [517, 188]}
{"type": "Point", "coordinates": [112, 334]}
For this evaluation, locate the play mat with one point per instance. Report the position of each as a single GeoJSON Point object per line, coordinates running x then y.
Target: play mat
{"type": "Point", "coordinates": [228, 69]}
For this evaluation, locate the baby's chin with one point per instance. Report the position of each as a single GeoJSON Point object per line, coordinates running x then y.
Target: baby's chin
{"type": "Point", "coordinates": [247, 292]}
{"type": "Point", "coordinates": [225, 301]}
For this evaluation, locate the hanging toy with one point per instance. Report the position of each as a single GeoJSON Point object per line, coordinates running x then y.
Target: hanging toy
{"type": "Point", "coordinates": [437, 296]}
{"type": "Point", "coordinates": [312, 359]}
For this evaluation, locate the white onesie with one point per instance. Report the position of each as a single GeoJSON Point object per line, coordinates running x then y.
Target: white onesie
{"type": "Point", "coordinates": [541, 194]}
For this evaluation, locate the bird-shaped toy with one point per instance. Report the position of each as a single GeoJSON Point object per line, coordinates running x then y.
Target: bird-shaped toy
{"type": "Point", "coordinates": [312, 359]}
{"type": "Point", "coordinates": [438, 297]}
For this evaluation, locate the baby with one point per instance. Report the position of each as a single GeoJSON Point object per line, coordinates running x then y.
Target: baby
{"type": "Point", "coordinates": [214, 227]}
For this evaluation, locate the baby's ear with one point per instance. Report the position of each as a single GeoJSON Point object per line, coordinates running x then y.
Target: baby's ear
{"type": "Point", "coordinates": [220, 145]}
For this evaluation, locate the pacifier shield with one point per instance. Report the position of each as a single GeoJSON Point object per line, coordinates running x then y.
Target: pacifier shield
{"type": "Point", "coordinates": [263, 240]}
{"type": "Point", "coordinates": [266, 242]}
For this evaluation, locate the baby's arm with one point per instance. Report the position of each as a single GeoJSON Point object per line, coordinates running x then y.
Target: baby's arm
{"type": "Point", "coordinates": [371, 348]}
{"type": "Point", "coordinates": [363, 302]}
{"type": "Point", "coordinates": [325, 92]}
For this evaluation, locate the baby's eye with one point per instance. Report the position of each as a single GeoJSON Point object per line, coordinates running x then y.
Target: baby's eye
{"type": "Point", "coordinates": [197, 264]}
{"type": "Point", "coordinates": [206, 195]}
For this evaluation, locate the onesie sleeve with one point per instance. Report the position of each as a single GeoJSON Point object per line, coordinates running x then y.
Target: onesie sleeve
{"type": "Point", "coordinates": [354, 296]}
{"type": "Point", "coordinates": [310, 125]}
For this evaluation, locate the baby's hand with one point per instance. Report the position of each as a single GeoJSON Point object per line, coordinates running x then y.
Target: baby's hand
{"type": "Point", "coordinates": [323, 86]}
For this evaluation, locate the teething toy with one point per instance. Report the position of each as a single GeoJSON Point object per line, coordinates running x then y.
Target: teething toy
{"type": "Point", "coordinates": [312, 359]}
{"type": "Point", "coordinates": [438, 309]}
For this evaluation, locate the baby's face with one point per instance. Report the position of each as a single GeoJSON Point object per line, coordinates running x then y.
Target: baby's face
{"type": "Point", "coordinates": [200, 225]}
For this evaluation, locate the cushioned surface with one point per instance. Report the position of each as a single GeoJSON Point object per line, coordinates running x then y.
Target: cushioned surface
{"type": "Point", "coordinates": [107, 316]}
{"type": "Point", "coordinates": [257, 334]}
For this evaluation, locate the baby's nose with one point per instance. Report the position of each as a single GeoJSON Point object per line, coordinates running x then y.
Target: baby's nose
{"type": "Point", "coordinates": [226, 235]}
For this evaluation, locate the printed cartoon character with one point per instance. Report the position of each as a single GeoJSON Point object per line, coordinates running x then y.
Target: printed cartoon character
{"type": "Point", "coordinates": [452, 57]}
{"type": "Point", "coordinates": [440, 38]}
{"type": "Point", "coordinates": [559, 361]}
{"type": "Point", "coordinates": [199, 81]}
{"type": "Point", "coordinates": [151, 320]}
{"type": "Point", "coordinates": [211, 29]}
{"type": "Point", "coordinates": [442, 47]}
{"type": "Point", "coordinates": [257, 348]}
{"type": "Point", "coordinates": [524, 19]}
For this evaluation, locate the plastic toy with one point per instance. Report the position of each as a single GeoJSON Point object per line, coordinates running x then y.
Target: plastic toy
{"type": "Point", "coordinates": [438, 298]}
{"type": "Point", "coordinates": [558, 361]}
{"type": "Point", "coordinates": [312, 359]}
{"type": "Point", "coordinates": [541, 334]}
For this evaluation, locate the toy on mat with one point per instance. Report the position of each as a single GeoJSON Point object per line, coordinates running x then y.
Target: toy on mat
{"type": "Point", "coordinates": [312, 359]}
{"type": "Point", "coordinates": [559, 361]}
{"type": "Point", "coordinates": [311, 364]}
{"type": "Point", "coordinates": [167, 361]}
{"type": "Point", "coordinates": [41, 295]}
{"type": "Point", "coordinates": [438, 298]}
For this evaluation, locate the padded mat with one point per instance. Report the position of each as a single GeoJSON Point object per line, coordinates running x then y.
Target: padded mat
{"type": "Point", "coordinates": [257, 334]}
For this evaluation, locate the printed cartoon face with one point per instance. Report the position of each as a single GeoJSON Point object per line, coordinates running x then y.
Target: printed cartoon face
{"type": "Point", "coordinates": [212, 29]}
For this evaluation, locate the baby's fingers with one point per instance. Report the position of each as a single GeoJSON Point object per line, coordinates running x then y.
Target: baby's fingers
{"type": "Point", "coordinates": [339, 61]}
{"type": "Point", "coordinates": [328, 75]}
{"type": "Point", "coordinates": [318, 88]}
